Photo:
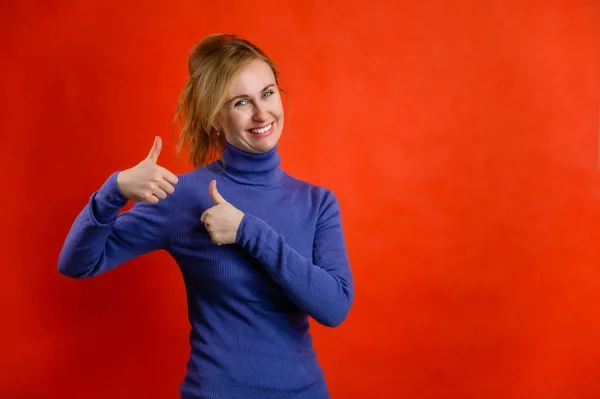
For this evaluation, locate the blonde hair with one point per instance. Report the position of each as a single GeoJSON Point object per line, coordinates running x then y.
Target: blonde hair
{"type": "Point", "coordinates": [213, 64]}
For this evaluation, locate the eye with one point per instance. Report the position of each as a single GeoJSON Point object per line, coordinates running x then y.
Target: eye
{"type": "Point", "coordinates": [240, 103]}
{"type": "Point", "coordinates": [268, 93]}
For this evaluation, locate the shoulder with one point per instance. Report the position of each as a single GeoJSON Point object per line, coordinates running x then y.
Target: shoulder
{"type": "Point", "coordinates": [320, 195]}
{"type": "Point", "coordinates": [193, 176]}
{"type": "Point", "coordinates": [192, 180]}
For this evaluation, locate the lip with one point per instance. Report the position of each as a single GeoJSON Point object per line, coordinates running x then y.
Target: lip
{"type": "Point", "coordinates": [268, 133]}
{"type": "Point", "coordinates": [260, 127]}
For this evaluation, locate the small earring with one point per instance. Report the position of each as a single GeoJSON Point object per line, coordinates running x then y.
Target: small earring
{"type": "Point", "coordinates": [218, 132]}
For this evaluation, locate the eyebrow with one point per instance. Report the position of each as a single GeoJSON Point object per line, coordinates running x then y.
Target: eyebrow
{"type": "Point", "coordinates": [246, 95]}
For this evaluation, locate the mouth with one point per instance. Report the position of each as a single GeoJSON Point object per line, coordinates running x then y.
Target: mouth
{"type": "Point", "coordinates": [262, 131]}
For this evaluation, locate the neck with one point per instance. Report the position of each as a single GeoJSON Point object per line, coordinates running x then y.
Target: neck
{"type": "Point", "coordinates": [248, 168]}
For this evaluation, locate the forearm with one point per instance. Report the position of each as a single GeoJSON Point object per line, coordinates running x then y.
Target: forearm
{"type": "Point", "coordinates": [87, 238]}
{"type": "Point", "coordinates": [323, 291]}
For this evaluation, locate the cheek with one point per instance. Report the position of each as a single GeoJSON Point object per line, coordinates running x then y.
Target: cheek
{"type": "Point", "coordinates": [278, 110]}
{"type": "Point", "coordinates": [237, 121]}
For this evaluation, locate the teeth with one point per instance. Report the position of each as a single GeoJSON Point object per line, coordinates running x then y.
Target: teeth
{"type": "Point", "coordinates": [263, 130]}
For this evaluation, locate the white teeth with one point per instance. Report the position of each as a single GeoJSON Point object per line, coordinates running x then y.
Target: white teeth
{"type": "Point", "coordinates": [263, 130]}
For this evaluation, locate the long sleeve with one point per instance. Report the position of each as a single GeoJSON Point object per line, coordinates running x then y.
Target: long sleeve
{"type": "Point", "coordinates": [322, 286]}
{"type": "Point", "coordinates": [101, 239]}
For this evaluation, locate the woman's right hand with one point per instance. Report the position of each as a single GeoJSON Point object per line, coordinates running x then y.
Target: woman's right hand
{"type": "Point", "coordinates": [147, 182]}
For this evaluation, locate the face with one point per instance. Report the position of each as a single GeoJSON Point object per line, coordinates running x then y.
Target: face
{"type": "Point", "coordinates": [252, 117]}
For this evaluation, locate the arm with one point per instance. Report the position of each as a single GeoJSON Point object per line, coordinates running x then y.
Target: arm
{"type": "Point", "coordinates": [323, 286]}
{"type": "Point", "coordinates": [102, 239]}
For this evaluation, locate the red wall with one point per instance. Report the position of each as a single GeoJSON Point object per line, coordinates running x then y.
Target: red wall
{"type": "Point", "coordinates": [460, 137]}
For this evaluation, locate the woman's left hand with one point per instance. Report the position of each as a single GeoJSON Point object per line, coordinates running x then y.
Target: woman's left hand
{"type": "Point", "coordinates": [222, 220]}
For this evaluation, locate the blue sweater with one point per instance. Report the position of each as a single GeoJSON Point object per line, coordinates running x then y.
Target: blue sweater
{"type": "Point", "coordinates": [248, 302]}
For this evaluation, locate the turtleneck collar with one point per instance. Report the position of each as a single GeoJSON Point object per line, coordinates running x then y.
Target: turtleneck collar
{"type": "Point", "coordinates": [253, 169]}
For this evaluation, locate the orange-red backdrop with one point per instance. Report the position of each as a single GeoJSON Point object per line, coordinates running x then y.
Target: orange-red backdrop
{"type": "Point", "coordinates": [461, 140]}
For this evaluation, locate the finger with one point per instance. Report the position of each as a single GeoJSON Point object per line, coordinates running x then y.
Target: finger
{"type": "Point", "coordinates": [214, 193]}
{"type": "Point", "coordinates": [168, 175]}
{"type": "Point", "coordinates": [155, 150]}
{"type": "Point", "coordinates": [149, 198]}
{"type": "Point", "coordinates": [159, 193]}
{"type": "Point", "coordinates": [166, 186]}
{"type": "Point", "coordinates": [203, 217]}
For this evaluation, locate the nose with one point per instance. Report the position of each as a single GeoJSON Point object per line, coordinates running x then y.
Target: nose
{"type": "Point", "coordinates": [260, 113]}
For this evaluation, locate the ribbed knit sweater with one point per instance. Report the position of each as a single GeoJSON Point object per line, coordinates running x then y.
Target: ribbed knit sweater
{"type": "Point", "coordinates": [248, 302]}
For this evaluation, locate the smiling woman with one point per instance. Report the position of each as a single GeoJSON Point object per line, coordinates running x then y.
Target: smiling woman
{"type": "Point", "coordinates": [252, 122]}
{"type": "Point", "coordinates": [232, 90]}
{"type": "Point", "coordinates": [258, 256]}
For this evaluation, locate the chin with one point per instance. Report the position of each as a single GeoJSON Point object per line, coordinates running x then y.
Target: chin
{"type": "Point", "coordinates": [265, 147]}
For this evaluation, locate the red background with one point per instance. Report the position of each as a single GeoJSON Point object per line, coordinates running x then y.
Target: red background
{"type": "Point", "coordinates": [461, 139]}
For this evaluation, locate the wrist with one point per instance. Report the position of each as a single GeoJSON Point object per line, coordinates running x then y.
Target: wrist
{"type": "Point", "coordinates": [238, 233]}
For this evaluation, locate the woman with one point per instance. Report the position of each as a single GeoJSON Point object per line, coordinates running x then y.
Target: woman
{"type": "Point", "coordinates": [259, 250]}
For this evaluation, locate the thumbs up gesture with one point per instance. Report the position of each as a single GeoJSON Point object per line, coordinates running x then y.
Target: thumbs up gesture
{"type": "Point", "coordinates": [223, 219]}
{"type": "Point", "coordinates": [147, 182]}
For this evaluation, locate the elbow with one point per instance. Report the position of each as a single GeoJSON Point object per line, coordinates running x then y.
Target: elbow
{"type": "Point", "coordinates": [69, 271]}
{"type": "Point", "coordinates": [333, 320]}
{"type": "Point", "coordinates": [337, 315]}
{"type": "Point", "coordinates": [65, 268]}
{"type": "Point", "coordinates": [69, 268]}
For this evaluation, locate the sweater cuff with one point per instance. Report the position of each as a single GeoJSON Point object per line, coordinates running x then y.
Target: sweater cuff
{"type": "Point", "coordinates": [106, 202]}
{"type": "Point", "coordinates": [239, 237]}
{"type": "Point", "coordinates": [248, 231]}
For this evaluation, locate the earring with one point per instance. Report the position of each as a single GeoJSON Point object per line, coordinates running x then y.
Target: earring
{"type": "Point", "coordinates": [218, 132]}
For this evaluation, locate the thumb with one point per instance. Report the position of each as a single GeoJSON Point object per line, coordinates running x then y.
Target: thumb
{"type": "Point", "coordinates": [155, 151]}
{"type": "Point", "coordinates": [214, 194]}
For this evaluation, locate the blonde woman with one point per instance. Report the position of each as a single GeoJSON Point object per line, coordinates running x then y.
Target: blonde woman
{"type": "Point", "coordinates": [259, 250]}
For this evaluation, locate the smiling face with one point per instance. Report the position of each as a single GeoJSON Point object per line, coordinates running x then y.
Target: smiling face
{"type": "Point", "coordinates": [252, 117]}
